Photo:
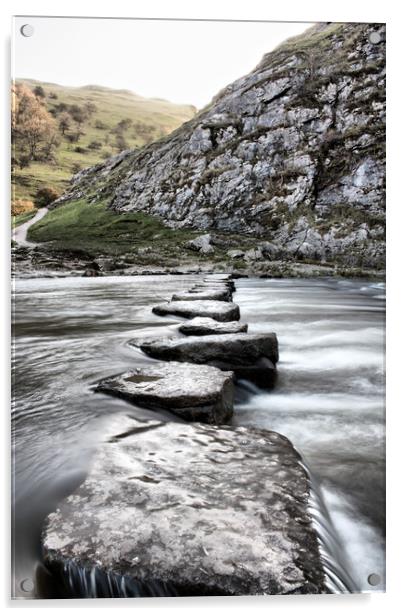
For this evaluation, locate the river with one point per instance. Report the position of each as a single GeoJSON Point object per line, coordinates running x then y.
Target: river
{"type": "Point", "coordinates": [329, 399]}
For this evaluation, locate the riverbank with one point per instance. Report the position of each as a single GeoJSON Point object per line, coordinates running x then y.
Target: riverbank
{"type": "Point", "coordinates": [40, 261]}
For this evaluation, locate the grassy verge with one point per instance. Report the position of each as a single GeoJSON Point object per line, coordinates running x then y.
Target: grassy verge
{"type": "Point", "coordinates": [21, 218]}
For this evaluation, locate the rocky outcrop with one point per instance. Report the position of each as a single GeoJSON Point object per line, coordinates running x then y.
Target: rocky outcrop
{"type": "Point", "coordinates": [186, 509]}
{"type": "Point", "coordinates": [220, 311]}
{"type": "Point", "coordinates": [194, 393]}
{"type": "Point", "coordinates": [202, 326]}
{"type": "Point", "coordinates": [293, 152]}
{"type": "Point", "coordinates": [249, 356]}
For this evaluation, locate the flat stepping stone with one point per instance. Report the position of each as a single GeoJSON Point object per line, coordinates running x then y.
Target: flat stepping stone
{"type": "Point", "coordinates": [195, 393]}
{"type": "Point", "coordinates": [219, 277]}
{"type": "Point", "coordinates": [249, 356]}
{"type": "Point", "coordinates": [203, 326]}
{"type": "Point", "coordinates": [220, 311]}
{"type": "Point", "coordinates": [223, 295]}
{"type": "Point", "coordinates": [186, 509]}
{"type": "Point", "coordinates": [218, 283]}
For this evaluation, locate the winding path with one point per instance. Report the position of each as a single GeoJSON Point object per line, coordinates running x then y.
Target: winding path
{"type": "Point", "coordinates": [20, 232]}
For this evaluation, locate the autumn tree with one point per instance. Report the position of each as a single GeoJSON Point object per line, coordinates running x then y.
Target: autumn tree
{"type": "Point", "coordinates": [34, 130]}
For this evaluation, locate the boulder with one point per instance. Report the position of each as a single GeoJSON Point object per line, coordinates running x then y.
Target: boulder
{"type": "Point", "coordinates": [249, 356]}
{"type": "Point", "coordinates": [224, 295]}
{"type": "Point", "coordinates": [195, 393]}
{"type": "Point", "coordinates": [220, 311]}
{"type": "Point", "coordinates": [186, 509]}
{"type": "Point", "coordinates": [255, 254]}
{"type": "Point", "coordinates": [201, 244]}
{"type": "Point", "coordinates": [235, 254]}
{"type": "Point", "coordinates": [270, 250]}
{"type": "Point", "coordinates": [202, 326]}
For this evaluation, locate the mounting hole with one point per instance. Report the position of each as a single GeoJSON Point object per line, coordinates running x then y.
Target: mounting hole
{"type": "Point", "coordinates": [27, 30]}
{"type": "Point", "coordinates": [375, 38]}
{"type": "Point", "coordinates": [374, 579]}
{"type": "Point", "coordinates": [27, 585]}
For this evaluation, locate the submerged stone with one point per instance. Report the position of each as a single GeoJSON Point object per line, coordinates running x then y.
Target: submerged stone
{"type": "Point", "coordinates": [195, 393]}
{"type": "Point", "coordinates": [220, 311]}
{"type": "Point", "coordinates": [249, 356]}
{"type": "Point", "coordinates": [186, 509]}
{"type": "Point", "coordinates": [203, 326]}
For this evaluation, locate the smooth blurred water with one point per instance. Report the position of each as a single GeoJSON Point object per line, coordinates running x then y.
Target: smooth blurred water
{"type": "Point", "coordinates": [329, 400]}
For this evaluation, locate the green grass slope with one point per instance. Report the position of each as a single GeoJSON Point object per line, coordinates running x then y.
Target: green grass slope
{"type": "Point", "coordinates": [151, 119]}
{"type": "Point", "coordinates": [94, 229]}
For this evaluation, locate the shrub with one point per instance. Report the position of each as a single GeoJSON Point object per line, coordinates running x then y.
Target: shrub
{"type": "Point", "coordinates": [76, 168]}
{"type": "Point", "coordinates": [39, 92]}
{"type": "Point", "coordinates": [20, 206]}
{"type": "Point", "coordinates": [45, 196]}
{"type": "Point", "coordinates": [106, 154]}
{"type": "Point", "coordinates": [95, 145]}
{"type": "Point", "coordinates": [100, 125]}
{"type": "Point", "coordinates": [80, 150]}
{"type": "Point", "coordinates": [24, 161]}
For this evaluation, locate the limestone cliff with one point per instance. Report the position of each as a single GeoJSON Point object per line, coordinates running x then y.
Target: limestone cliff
{"type": "Point", "coordinates": [293, 153]}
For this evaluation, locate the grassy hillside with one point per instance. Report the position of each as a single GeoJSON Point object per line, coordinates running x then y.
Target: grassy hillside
{"type": "Point", "coordinates": [94, 229]}
{"type": "Point", "coordinates": [150, 120]}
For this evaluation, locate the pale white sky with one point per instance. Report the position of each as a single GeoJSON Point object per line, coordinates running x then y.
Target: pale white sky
{"type": "Point", "coordinates": [181, 61]}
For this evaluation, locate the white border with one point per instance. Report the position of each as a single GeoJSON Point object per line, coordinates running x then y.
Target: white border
{"type": "Point", "coordinates": [302, 10]}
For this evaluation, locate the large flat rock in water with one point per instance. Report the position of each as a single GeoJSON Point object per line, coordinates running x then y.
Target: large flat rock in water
{"type": "Point", "coordinates": [220, 311]}
{"type": "Point", "coordinates": [250, 356]}
{"type": "Point", "coordinates": [186, 509]}
{"type": "Point", "coordinates": [223, 295]}
{"type": "Point", "coordinates": [203, 326]}
{"type": "Point", "coordinates": [195, 393]}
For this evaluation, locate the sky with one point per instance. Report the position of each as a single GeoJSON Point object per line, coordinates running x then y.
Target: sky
{"type": "Point", "coordinates": [181, 61]}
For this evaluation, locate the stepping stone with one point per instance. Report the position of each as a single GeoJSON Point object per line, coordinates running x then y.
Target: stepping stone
{"type": "Point", "coordinates": [186, 509]}
{"type": "Point", "coordinates": [218, 283]}
{"type": "Point", "coordinates": [220, 277]}
{"type": "Point", "coordinates": [195, 393]}
{"type": "Point", "coordinates": [249, 356]}
{"type": "Point", "coordinates": [223, 295]}
{"type": "Point", "coordinates": [203, 287]}
{"type": "Point", "coordinates": [202, 326]}
{"type": "Point", "coordinates": [220, 311]}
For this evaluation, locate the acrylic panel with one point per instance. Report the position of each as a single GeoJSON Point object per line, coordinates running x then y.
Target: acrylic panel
{"type": "Point", "coordinates": [198, 253]}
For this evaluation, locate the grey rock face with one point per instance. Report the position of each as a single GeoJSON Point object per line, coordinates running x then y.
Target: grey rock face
{"type": "Point", "coordinates": [190, 510]}
{"type": "Point", "coordinates": [249, 356]}
{"type": "Point", "coordinates": [202, 326]}
{"type": "Point", "coordinates": [293, 152]}
{"type": "Point", "coordinates": [220, 311]}
{"type": "Point", "coordinates": [195, 393]}
{"type": "Point", "coordinates": [225, 295]}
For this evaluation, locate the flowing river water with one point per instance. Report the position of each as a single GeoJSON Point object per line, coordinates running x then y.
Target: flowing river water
{"type": "Point", "coordinates": [329, 399]}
